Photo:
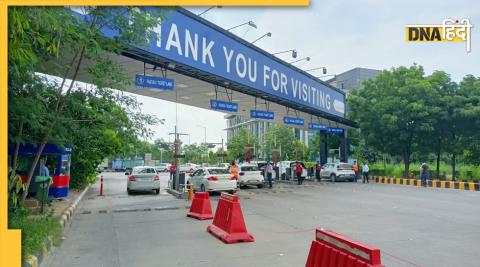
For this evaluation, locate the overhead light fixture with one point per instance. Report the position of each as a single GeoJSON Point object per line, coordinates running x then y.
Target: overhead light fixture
{"type": "Point", "coordinates": [298, 60]}
{"type": "Point", "coordinates": [268, 34]}
{"type": "Point", "coordinates": [294, 52]}
{"type": "Point", "coordinates": [249, 23]}
{"type": "Point", "coordinates": [324, 69]}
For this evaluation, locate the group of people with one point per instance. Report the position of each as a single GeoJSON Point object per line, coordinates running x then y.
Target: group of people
{"type": "Point", "coordinates": [365, 171]}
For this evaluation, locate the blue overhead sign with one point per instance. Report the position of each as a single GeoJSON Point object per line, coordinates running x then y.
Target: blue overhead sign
{"type": "Point", "coordinates": [261, 114]}
{"type": "Point", "coordinates": [317, 127]}
{"type": "Point", "coordinates": [154, 82]}
{"type": "Point", "coordinates": [222, 105]}
{"type": "Point", "coordinates": [335, 130]}
{"type": "Point", "coordinates": [293, 121]}
{"type": "Point", "coordinates": [184, 38]}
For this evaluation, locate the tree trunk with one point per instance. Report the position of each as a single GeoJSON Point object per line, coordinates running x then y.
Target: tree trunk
{"type": "Point", "coordinates": [406, 162]}
{"type": "Point", "coordinates": [454, 159]}
{"type": "Point", "coordinates": [59, 108]}
{"type": "Point", "coordinates": [17, 148]}
{"type": "Point", "coordinates": [439, 149]}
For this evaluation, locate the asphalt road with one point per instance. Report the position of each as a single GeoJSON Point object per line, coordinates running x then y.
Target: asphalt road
{"type": "Point", "coordinates": [412, 226]}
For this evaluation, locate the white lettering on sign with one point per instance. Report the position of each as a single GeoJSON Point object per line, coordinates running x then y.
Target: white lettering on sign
{"type": "Point", "coordinates": [228, 57]}
{"type": "Point", "coordinates": [174, 40]}
{"type": "Point", "coordinates": [241, 65]}
{"type": "Point", "coordinates": [191, 46]}
{"type": "Point", "coordinates": [207, 52]}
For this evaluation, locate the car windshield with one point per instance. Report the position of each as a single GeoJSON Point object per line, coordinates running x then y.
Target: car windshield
{"type": "Point", "coordinates": [249, 168]}
{"type": "Point", "coordinates": [218, 171]}
{"type": "Point", "coordinates": [143, 170]}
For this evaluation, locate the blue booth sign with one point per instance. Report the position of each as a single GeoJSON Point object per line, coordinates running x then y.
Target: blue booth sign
{"type": "Point", "coordinates": [222, 105]}
{"type": "Point", "coordinates": [317, 127]}
{"type": "Point", "coordinates": [335, 130]}
{"type": "Point", "coordinates": [154, 82]}
{"type": "Point", "coordinates": [185, 39]}
{"type": "Point", "coordinates": [261, 114]}
{"type": "Point", "coordinates": [293, 121]}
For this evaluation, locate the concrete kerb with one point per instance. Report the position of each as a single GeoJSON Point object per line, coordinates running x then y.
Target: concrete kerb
{"type": "Point", "coordinates": [37, 258]}
{"type": "Point", "coordinates": [469, 186]}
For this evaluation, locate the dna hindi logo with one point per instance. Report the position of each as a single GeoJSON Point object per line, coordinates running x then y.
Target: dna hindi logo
{"type": "Point", "coordinates": [451, 30]}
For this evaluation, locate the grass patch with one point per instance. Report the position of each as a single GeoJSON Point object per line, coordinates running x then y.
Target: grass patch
{"type": "Point", "coordinates": [35, 229]}
{"type": "Point", "coordinates": [464, 171]}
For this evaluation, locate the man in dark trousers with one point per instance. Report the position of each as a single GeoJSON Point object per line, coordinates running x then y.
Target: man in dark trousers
{"type": "Point", "coordinates": [298, 172]}
{"type": "Point", "coordinates": [318, 168]}
{"type": "Point", "coordinates": [269, 170]}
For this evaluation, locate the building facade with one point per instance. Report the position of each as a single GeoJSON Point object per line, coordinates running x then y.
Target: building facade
{"type": "Point", "coordinates": [353, 78]}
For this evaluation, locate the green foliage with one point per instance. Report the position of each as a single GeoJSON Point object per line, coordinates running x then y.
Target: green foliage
{"type": "Point", "coordinates": [238, 145]}
{"type": "Point", "coordinates": [284, 137]}
{"type": "Point", "coordinates": [15, 185]}
{"type": "Point", "coordinates": [35, 229]}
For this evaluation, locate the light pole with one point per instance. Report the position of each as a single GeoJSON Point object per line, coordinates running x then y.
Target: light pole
{"type": "Point", "coordinates": [294, 52]}
{"type": "Point", "coordinates": [268, 34]}
{"type": "Point", "coordinates": [298, 60]}
{"type": "Point", "coordinates": [208, 9]}
{"type": "Point", "coordinates": [205, 140]}
{"type": "Point", "coordinates": [249, 23]}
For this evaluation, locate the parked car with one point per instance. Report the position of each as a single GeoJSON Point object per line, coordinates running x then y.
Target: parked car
{"type": "Point", "coordinates": [338, 172]}
{"type": "Point", "coordinates": [143, 178]}
{"type": "Point", "coordinates": [282, 169]}
{"type": "Point", "coordinates": [250, 174]}
{"type": "Point", "coordinates": [224, 165]}
{"type": "Point", "coordinates": [163, 167]}
{"type": "Point", "coordinates": [188, 168]}
{"type": "Point", "coordinates": [128, 170]}
{"type": "Point", "coordinates": [208, 179]}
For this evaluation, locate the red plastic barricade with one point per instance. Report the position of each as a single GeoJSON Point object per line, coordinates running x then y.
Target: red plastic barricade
{"type": "Point", "coordinates": [333, 250]}
{"type": "Point", "coordinates": [228, 224]}
{"type": "Point", "coordinates": [201, 208]}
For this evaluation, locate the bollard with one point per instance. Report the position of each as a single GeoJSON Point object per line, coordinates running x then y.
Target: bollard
{"type": "Point", "coordinates": [101, 185]}
{"type": "Point", "coordinates": [190, 193]}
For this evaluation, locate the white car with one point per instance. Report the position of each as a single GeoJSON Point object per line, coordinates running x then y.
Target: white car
{"type": "Point", "coordinates": [282, 169]}
{"type": "Point", "coordinates": [188, 168]}
{"type": "Point", "coordinates": [143, 178]}
{"type": "Point", "coordinates": [208, 179]}
{"type": "Point", "coordinates": [163, 167]}
{"type": "Point", "coordinates": [338, 172]}
{"type": "Point", "coordinates": [250, 175]}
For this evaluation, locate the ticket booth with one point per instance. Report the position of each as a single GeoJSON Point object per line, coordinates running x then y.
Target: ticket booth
{"type": "Point", "coordinates": [58, 160]}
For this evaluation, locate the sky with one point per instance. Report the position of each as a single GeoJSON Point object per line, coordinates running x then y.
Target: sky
{"type": "Point", "coordinates": [336, 34]}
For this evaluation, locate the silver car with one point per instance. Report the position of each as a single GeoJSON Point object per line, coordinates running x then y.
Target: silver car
{"type": "Point", "coordinates": [338, 171]}
{"type": "Point", "coordinates": [143, 178]}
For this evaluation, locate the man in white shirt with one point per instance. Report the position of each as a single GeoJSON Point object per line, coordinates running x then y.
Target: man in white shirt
{"type": "Point", "coordinates": [365, 172]}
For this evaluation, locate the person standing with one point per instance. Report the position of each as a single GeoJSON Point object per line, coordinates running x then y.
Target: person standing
{"type": "Point", "coordinates": [172, 171]}
{"type": "Point", "coordinates": [365, 171]}
{"type": "Point", "coordinates": [318, 169]}
{"type": "Point", "coordinates": [424, 174]}
{"type": "Point", "coordinates": [298, 172]}
{"type": "Point", "coordinates": [234, 170]}
{"type": "Point", "coordinates": [43, 168]}
{"type": "Point", "coordinates": [355, 169]}
{"type": "Point", "coordinates": [269, 173]}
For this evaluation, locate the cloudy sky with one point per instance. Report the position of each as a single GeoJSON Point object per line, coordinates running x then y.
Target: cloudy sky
{"type": "Point", "coordinates": [339, 35]}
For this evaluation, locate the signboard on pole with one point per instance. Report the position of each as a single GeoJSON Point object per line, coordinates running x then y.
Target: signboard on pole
{"type": "Point", "coordinates": [293, 121]}
{"type": "Point", "coordinates": [261, 114]}
{"type": "Point", "coordinates": [317, 127]}
{"type": "Point", "coordinates": [154, 82]}
{"type": "Point", "coordinates": [223, 105]}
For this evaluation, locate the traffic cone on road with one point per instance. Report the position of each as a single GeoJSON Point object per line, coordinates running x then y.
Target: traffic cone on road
{"type": "Point", "coordinates": [201, 208]}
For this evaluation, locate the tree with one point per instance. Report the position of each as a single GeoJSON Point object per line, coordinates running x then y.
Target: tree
{"type": "Point", "coordinates": [238, 145]}
{"type": "Point", "coordinates": [284, 138]}
{"type": "Point", "coordinates": [41, 36]}
{"type": "Point", "coordinates": [394, 111]}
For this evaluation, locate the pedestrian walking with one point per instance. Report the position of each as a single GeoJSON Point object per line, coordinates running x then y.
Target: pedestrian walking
{"type": "Point", "coordinates": [269, 173]}
{"type": "Point", "coordinates": [298, 172]}
{"type": "Point", "coordinates": [318, 168]}
{"type": "Point", "coordinates": [424, 174]}
{"type": "Point", "coordinates": [365, 171]}
{"type": "Point", "coordinates": [355, 169]}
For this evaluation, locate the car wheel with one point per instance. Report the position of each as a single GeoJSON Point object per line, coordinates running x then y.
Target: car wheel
{"type": "Point", "coordinates": [129, 192]}
{"type": "Point", "coordinates": [232, 191]}
{"type": "Point", "coordinates": [260, 186]}
{"type": "Point", "coordinates": [202, 188]}
{"type": "Point", "coordinates": [283, 176]}
{"type": "Point", "coordinates": [332, 178]}
{"type": "Point", "coordinates": [157, 191]}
